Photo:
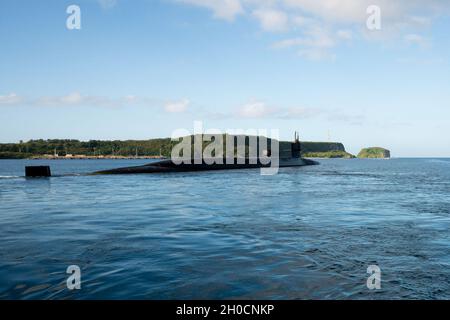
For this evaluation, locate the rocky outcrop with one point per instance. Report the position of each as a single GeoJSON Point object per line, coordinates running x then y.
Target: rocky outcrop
{"type": "Point", "coordinates": [374, 152]}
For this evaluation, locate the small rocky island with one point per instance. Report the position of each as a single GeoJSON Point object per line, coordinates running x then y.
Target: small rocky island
{"type": "Point", "coordinates": [374, 153]}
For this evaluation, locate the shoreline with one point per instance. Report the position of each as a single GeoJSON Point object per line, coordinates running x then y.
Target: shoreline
{"type": "Point", "coordinates": [91, 158]}
{"type": "Point", "coordinates": [153, 158]}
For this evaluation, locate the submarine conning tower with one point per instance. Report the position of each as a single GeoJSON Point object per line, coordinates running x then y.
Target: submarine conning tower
{"type": "Point", "coordinates": [291, 150]}
{"type": "Point", "coordinates": [295, 146]}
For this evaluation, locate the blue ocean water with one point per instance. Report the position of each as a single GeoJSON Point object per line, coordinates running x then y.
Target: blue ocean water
{"type": "Point", "coordinates": [306, 233]}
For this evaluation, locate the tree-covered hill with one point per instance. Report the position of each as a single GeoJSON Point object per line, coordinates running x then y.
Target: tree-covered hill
{"type": "Point", "coordinates": [374, 152]}
{"type": "Point", "coordinates": [151, 147]}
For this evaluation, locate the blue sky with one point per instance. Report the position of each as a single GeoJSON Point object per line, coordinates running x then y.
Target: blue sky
{"type": "Point", "coordinates": [141, 69]}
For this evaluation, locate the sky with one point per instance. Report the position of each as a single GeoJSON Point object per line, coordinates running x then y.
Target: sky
{"type": "Point", "coordinates": [141, 69]}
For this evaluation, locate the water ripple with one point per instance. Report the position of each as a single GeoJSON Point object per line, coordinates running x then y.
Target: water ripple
{"type": "Point", "coordinates": [306, 233]}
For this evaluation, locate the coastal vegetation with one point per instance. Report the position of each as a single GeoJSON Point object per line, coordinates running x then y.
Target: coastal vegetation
{"type": "Point", "coordinates": [329, 154]}
{"type": "Point", "coordinates": [93, 148]}
{"type": "Point", "coordinates": [374, 152]}
{"type": "Point", "coordinates": [325, 150]}
{"type": "Point", "coordinates": [136, 148]}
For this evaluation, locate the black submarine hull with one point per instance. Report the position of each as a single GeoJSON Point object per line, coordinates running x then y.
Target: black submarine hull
{"type": "Point", "coordinates": [167, 166]}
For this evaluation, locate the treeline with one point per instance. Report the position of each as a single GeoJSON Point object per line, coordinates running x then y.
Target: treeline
{"type": "Point", "coordinates": [89, 148]}
{"type": "Point", "coordinates": [152, 147]}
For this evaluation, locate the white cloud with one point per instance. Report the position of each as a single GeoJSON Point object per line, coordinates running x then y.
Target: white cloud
{"type": "Point", "coordinates": [354, 11]}
{"type": "Point", "coordinates": [76, 99]}
{"type": "Point", "coordinates": [222, 9]}
{"type": "Point", "coordinates": [302, 21]}
{"type": "Point", "coordinates": [332, 10]}
{"type": "Point", "coordinates": [288, 43]}
{"type": "Point", "coordinates": [260, 109]}
{"type": "Point", "coordinates": [315, 44]}
{"type": "Point", "coordinates": [316, 27]}
{"type": "Point", "coordinates": [416, 39]}
{"type": "Point", "coordinates": [314, 38]}
{"type": "Point", "coordinates": [107, 4]}
{"type": "Point", "coordinates": [329, 11]}
{"type": "Point", "coordinates": [131, 98]}
{"type": "Point", "coordinates": [256, 109]}
{"type": "Point", "coordinates": [177, 106]}
{"type": "Point", "coordinates": [10, 99]}
{"type": "Point", "coordinates": [344, 34]}
{"type": "Point", "coordinates": [72, 98]}
{"type": "Point", "coordinates": [272, 20]}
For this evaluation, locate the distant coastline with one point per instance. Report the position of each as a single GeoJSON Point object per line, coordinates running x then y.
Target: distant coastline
{"type": "Point", "coordinates": [66, 149]}
{"type": "Point", "coordinates": [84, 157]}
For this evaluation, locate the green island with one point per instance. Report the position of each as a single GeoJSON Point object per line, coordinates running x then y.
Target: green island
{"type": "Point", "coordinates": [374, 153]}
{"type": "Point", "coordinates": [325, 150]}
{"type": "Point", "coordinates": [152, 148]}
{"type": "Point", "coordinates": [329, 154]}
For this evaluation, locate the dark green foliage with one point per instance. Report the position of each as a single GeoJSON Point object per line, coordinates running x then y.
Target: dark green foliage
{"type": "Point", "coordinates": [329, 154]}
{"type": "Point", "coordinates": [374, 152]}
{"type": "Point", "coordinates": [14, 155]}
{"type": "Point", "coordinates": [90, 148]}
{"type": "Point", "coordinates": [152, 147]}
{"type": "Point", "coordinates": [322, 146]}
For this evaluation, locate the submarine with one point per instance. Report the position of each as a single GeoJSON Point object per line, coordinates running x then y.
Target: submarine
{"type": "Point", "coordinates": [288, 157]}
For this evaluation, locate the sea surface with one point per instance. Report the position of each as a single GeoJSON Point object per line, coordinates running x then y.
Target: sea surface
{"type": "Point", "coordinates": [306, 233]}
